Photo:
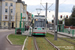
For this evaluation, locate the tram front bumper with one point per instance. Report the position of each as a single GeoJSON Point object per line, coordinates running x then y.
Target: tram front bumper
{"type": "Point", "coordinates": [38, 33]}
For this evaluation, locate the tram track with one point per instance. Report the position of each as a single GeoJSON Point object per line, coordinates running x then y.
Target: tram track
{"type": "Point", "coordinates": [35, 44]}
{"type": "Point", "coordinates": [65, 39]}
{"type": "Point", "coordinates": [51, 43]}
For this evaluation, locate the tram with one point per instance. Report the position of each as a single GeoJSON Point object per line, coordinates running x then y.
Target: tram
{"type": "Point", "coordinates": [39, 25]}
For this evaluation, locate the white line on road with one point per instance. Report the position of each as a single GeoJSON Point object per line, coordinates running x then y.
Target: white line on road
{"type": "Point", "coordinates": [24, 43]}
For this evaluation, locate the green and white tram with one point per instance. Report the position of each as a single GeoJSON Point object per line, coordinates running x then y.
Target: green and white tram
{"type": "Point", "coordinates": [39, 25]}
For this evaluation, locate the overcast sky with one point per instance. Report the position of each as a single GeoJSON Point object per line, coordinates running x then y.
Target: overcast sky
{"type": "Point", "coordinates": [65, 7]}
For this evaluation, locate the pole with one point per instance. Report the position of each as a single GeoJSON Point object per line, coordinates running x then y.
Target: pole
{"type": "Point", "coordinates": [56, 19]}
{"type": "Point", "coordinates": [38, 14]}
{"type": "Point", "coordinates": [46, 9]}
{"type": "Point", "coordinates": [46, 15]}
{"type": "Point", "coordinates": [0, 24]}
{"type": "Point", "coordinates": [16, 20]}
{"type": "Point", "coordinates": [20, 20]}
{"type": "Point", "coordinates": [9, 27]}
{"type": "Point", "coordinates": [63, 21]}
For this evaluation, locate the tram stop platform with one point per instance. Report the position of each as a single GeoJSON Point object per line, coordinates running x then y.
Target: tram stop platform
{"type": "Point", "coordinates": [64, 34]}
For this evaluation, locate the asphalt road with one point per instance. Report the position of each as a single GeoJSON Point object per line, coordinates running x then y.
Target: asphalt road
{"type": "Point", "coordinates": [4, 44]}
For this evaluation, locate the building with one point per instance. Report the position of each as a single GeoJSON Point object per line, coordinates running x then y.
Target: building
{"type": "Point", "coordinates": [0, 12]}
{"type": "Point", "coordinates": [7, 6]}
{"type": "Point", "coordinates": [12, 9]}
{"type": "Point", "coordinates": [29, 17]}
{"type": "Point", "coordinates": [21, 9]}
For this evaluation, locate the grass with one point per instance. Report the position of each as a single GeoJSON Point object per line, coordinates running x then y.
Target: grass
{"type": "Point", "coordinates": [69, 39]}
{"type": "Point", "coordinates": [17, 39]}
{"type": "Point", "coordinates": [63, 45]}
{"type": "Point", "coordinates": [43, 44]}
{"type": "Point", "coordinates": [29, 44]}
{"type": "Point", "coordinates": [49, 35]}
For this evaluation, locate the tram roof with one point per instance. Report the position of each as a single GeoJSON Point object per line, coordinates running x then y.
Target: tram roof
{"type": "Point", "coordinates": [39, 16]}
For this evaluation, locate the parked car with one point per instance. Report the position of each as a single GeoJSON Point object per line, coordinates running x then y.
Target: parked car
{"type": "Point", "coordinates": [18, 31]}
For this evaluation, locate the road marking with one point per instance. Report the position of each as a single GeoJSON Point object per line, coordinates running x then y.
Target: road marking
{"type": "Point", "coordinates": [24, 43]}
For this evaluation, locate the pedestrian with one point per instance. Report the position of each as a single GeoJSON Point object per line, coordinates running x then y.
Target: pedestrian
{"type": "Point", "coordinates": [69, 30]}
{"type": "Point", "coordinates": [25, 27]}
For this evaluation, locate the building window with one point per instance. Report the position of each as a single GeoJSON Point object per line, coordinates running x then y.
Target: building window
{"type": "Point", "coordinates": [6, 10]}
{"type": "Point", "coordinates": [11, 10]}
{"type": "Point", "coordinates": [5, 16]}
{"type": "Point", "coordinates": [11, 4]}
{"type": "Point", "coordinates": [4, 23]}
{"type": "Point", "coordinates": [6, 4]}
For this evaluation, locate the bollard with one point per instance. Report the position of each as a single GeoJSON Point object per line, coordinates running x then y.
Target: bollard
{"type": "Point", "coordinates": [72, 33]}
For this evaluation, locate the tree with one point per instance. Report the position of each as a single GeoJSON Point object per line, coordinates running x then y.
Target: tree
{"type": "Point", "coordinates": [67, 22]}
{"type": "Point", "coordinates": [72, 17]}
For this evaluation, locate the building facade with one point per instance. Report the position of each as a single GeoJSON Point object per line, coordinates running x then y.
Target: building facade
{"type": "Point", "coordinates": [7, 9]}
{"type": "Point", "coordinates": [12, 9]}
{"type": "Point", "coordinates": [21, 9]}
{"type": "Point", "coordinates": [0, 12]}
{"type": "Point", "coordinates": [29, 16]}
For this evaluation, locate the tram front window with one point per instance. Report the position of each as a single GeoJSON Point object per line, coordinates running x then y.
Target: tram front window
{"type": "Point", "coordinates": [39, 23]}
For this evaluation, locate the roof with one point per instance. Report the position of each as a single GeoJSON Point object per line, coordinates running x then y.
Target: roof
{"type": "Point", "coordinates": [19, 1]}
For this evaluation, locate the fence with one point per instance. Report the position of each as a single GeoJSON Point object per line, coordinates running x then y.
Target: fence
{"type": "Point", "coordinates": [21, 25]}
{"type": "Point", "coordinates": [72, 31]}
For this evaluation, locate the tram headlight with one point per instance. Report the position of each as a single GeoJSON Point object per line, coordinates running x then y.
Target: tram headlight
{"type": "Point", "coordinates": [35, 28]}
{"type": "Point", "coordinates": [36, 19]}
{"type": "Point", "coordinates": [43, 28]}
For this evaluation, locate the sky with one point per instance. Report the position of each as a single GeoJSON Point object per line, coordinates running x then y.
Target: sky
{"type": "Point", "coordinates": [65, 7]}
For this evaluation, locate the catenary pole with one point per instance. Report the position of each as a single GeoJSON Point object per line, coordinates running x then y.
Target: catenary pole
{"type": "Point", "coordinates": [56, 19]}
{"type": "Point", "coordinates": [46, 13]}
{"type": "Point", "coordinates": [46, 9]}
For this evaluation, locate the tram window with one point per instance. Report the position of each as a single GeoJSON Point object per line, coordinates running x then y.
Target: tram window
{"type": "Point", "coordinates": [36, 19]}
{"type": "Point", "coordinates": [39, 23]}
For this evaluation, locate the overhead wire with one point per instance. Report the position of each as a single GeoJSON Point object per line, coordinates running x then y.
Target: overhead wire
{"type": "Point", "coordinates": [63, 2]}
